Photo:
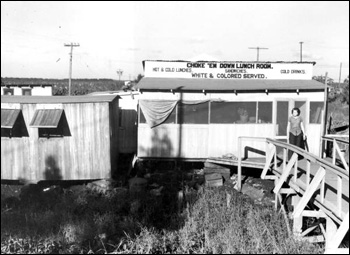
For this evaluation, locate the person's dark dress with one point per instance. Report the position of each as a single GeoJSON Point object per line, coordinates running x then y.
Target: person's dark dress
{"type": "Point", "coordinates": [296, 136]}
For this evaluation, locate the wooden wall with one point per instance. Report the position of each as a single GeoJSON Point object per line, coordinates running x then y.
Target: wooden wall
{"type": "Point", "coordinates": [197, 141]}
{"type": "Point", "coordinates": [128, 131]}
{"type": "Point", "coordinates": [86, 154]}
{"type": "Point", "coordinates": [214, 140]}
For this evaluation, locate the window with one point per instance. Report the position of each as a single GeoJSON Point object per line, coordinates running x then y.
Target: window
{"type": "Point", "coordinates": [13, 124]}
{"type": "Point", "coordinates": [316, 112]}
{"type": "Point", "coordinates": [27, 92]}
{"type": "Point", "coordinates": [172, 117]}
{"type": "Point", "coordinates": [302, 106]}
{"type": "Point", "coordinates": [240, 112]}
{"type": "Point", "coordinates": [50, 123]}
{"type": "Point", "coordinates": [8, 92]}
{"type": "Point", "coordinates": [245, 112]}
{"type": "Point", "coordinates": [170, 120]}
{"type": "Point", "coordinates": [222, 112]}
{"type": "Point", "coordinates": [264, 112]}
{"type": "Point", "coordinates": [193, 113]}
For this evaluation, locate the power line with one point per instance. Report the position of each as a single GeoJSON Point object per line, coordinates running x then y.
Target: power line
{"type": "Point", "coordinates": [71, 45]}
{"type": "Point", "coordinates": [258, 48]}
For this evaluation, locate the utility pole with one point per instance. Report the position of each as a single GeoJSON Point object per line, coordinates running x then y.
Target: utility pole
{"type": "Point", "coordinates": [120, 73]}
{"type": "Point", "coordinates": [71, 45]}
{"type": "Point", "coordinates": [301, 51]}
{"type": "Point", "coordinates": [258, 48]}
{"type": "Point", "coordinates": [339, 75]}
{"type": "Point", "coordinates": [324, 117]}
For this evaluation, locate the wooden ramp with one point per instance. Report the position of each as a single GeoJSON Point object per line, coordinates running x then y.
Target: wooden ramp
{"type": "Point", "coordinates": [330, 191]}
{"type": "Point", "coordinates": [319, 187]}
{"type": "Point", "coordinates": [248, 162]}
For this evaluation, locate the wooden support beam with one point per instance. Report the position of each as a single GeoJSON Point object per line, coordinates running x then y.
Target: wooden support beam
{"type": "Point", "coordinates": [316, 214]}
{"type": "Point", "coordinates": [270, 177]}
{"type": "Point", "coordinates": [285, 155]}
{"type": "Point", "coordinates": [345, 164]}
{"type": "Point", "coordinates": [269, 159]}
{"type": "Point", "coordinates": [331, 230]}
{"type": "Point", "coordinates": [307, 231]}
{"type": "Point", "coordinates": [314, 239]}
{"type": "Point", "coordinates": [276, 196]}
{"type": "Point", "coordinates": [323, 230]}
{"type": "Point", "coordinates": [295, 175]}
{"type": "Point", "coordinates": [287, 191]}
{"type": "Point", "coordinates": [308, 166]}
{"type": "Point", "coordinates": [339, 195]}
{"type": "Point", "coordinates": [337, 237]}
{"type": "Point", "coordinates": [285, 215]}
{"type": "Point", "coordinates": [309, 192]}
{"type": "Point", "coordinates": [297, 221]}
{"type": "Point", "coordinates": [286, 173]}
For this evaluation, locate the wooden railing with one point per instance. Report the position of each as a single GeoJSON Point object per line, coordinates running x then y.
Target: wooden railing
{"type": "Point", "coordinates": [337, 150]}
{"type": "Point", "coordinates": [284, 172]}
{"type": "Point", "coordinates": [311, 186]}
{"type": "Point", "coordinates": [241, 139]}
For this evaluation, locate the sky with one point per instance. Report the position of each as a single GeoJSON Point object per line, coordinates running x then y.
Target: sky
{"type": "Point", "coordinates": [120, 35]}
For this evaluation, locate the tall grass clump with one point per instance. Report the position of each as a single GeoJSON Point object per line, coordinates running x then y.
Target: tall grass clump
{"type": "Point", "coordinates": [214, 225]}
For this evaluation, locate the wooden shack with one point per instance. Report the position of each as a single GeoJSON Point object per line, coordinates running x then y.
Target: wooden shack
{"type": "Point", "coordinates": [195, 110]}
{"type": "Point", "coordinates": [59, 137]}
{"type": "Point", "coordinates": [128, 103]}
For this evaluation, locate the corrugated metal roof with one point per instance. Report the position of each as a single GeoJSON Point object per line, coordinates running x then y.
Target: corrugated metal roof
{"type": "Point", "coordinates": [58, 99]}
{"type": "Point", "coordinates": [9, 117]}
{"type": "Point", "coordinates": [46, 118]}
{"type": "Point", "coordinates": [226, 84]}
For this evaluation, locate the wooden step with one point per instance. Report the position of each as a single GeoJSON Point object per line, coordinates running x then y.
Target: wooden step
{"type": "Point", "coordinates": [222, 171]}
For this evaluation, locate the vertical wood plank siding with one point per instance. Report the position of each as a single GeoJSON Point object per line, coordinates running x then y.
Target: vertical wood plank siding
{"type": "Point", "coordinates": [202, 141]}
{"type": "Point", "coordinates": [114, 135]}
{"type": "Point", "coordinates": [128, 131]}
{"type": "Point", "coordinates": [86, 154]}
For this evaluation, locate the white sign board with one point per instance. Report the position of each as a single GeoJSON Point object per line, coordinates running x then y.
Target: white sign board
{"type": "Point", "coordinates": [229, 70]}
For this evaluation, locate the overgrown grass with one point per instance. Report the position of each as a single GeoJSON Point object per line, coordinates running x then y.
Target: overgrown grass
{"type": "Point", "coordinates": [213, 227]}
{"type": "Point", "coordinates": [84, 221]}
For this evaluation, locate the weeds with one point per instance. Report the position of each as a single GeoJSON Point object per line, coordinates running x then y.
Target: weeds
{"type": "Point", "coordinates": [84, 221]}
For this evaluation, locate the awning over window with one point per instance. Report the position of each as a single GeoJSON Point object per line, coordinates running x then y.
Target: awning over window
{"type": "Point", "coordinates": [217, 85]}
{"type": "Point", "coordinates": [46, 118]}
{"type": "Point", "coordinates": [9, 117]}
{"type": "Point", "coordinates": [157, 111]}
